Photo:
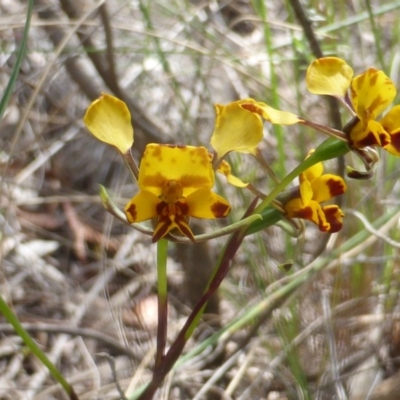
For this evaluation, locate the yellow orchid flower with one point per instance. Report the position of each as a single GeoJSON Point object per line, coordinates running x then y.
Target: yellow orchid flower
{"type": "Point", "coordinates": [175, 183]}
{"type": "Point", "coordinates": [316, 188]}
{"type": "Point", "coordinates": [371, 93]}
{"type": "Point", "coordinates": [239, 127]}
{"type": "Point", "coordinates": [109, 120]}
{"type": "Point", "coordinates": [329, 75]}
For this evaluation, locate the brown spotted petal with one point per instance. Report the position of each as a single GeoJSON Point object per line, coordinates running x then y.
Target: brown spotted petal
{"type": "Point", "coordinates": [327, 186]}
{"type": "Point", "coordinates": [334, 217]}
{"type": "Point", "coordinates": [206, 204]}
{"type": "Point", "coordinates": [371, 93]}
{"type": "Point", "coordinates": [315, 189]}
{"type": "Point", "coordinates": [142, 207]}
{"type": "Point", "coordinates": [311, 212]}
{"type": "Point", "coordinates": [371, 133]}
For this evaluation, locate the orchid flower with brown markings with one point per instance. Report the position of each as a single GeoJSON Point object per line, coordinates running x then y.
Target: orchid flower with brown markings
{"type": "Point", "coordinates": [175, 183]}
{"type": "Point", "coordinates": [316, 188]}
{"type": "Point", "coordinates": [369, 94]}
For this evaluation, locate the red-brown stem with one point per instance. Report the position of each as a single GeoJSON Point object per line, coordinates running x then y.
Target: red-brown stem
{"type": "Point", "coordinates": [161, 330]}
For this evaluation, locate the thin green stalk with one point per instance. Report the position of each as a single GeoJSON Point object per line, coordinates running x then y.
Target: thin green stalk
{"type": "Point", "coordinates": [275, 100]}
{"type": "Point", "coordinates": [34, 348]}
{"type": "Point", "coordinates": [287, 329]}
{"type": "Point", "coordinates": [376, 33]}
{"type": "Point", "coordinates": [21, 53]}
{"type": "Point", "coordinates": [162, 56]}
{"type": "Point", "coordinates": [162, 297]}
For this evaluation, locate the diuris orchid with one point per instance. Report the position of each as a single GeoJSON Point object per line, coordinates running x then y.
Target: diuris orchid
{"type": "Point", "coordinates": [370, 94]}
{"type": "Point", "coordinates": [175, 183]}
{"type": "Point", "coordinates": [316, 188]}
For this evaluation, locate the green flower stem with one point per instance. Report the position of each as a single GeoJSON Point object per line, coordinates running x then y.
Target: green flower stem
{"type": "Point", "coordinates": [34, 348]}
{"type": "Point", "coordinates": [377, 35]}
{"type": "Point", "coordinates": [162, 297]}
{"type": "Point", "coordinates": [269, 216]}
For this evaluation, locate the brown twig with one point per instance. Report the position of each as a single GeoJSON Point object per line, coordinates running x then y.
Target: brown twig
{"type": "Point", "coordinates": [85, 233]}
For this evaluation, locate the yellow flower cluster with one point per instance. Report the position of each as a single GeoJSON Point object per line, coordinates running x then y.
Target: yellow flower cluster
{"type": "Point", "coordinates": [176, 182]}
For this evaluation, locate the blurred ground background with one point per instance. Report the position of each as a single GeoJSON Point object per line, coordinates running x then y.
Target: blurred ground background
{"type": "Point", "coordinates": [84, 284]}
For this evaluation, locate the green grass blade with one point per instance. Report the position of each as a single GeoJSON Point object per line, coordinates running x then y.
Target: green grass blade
{"type": "Point", "coordinates": [34, 348]}
{"type": "Point", "coordinates": [21, 53]}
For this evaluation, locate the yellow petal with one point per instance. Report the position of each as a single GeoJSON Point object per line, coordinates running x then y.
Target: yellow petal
{"type": "Point", "coordinates": [306, 192]}
{"type": "Point", "coordinates": [314, 172]}
{"type": "Point", "coordinates": [109, 120]}
{"type": "Point", "coordinates": [236, 129]}
{"type": "Point", "coordinates": [327, 186]}
{"type": "Point", "coordinates": [371, 93]}
{"type": "Point", "coordinates": [142, 207]}
{"type": "Point", "coordinates": [319, 217]}
{"type": "Point", "coordinates": [391, 121]}
{"type": "Point", "coordinates": [235, 181]}
{"type": "Point", "coordinates": [329, 75]}
{"type": "Point", "coordinates": [271, 114]}
{"type": "Point", "coordinates": [293, 206]}
{"type": "Point", "coordinates": [206, 204]}
{"type": "Point", "coordinates": [225, 169]}
{"type": "Point", "coordinates": [188, 165]}
{"type": "Point", "coordinates": [391, 124]}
